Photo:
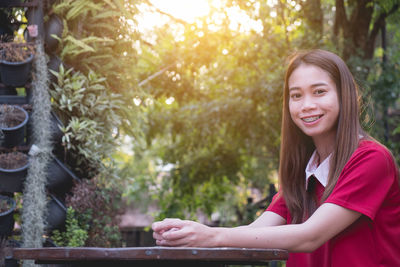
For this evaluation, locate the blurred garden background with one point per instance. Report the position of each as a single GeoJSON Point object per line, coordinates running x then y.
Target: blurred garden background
{"type": "Point", "coordinates": [172, 108]}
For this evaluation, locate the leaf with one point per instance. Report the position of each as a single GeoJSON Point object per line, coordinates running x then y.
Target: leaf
{"type": "Point", "coordinates": [80, 43]}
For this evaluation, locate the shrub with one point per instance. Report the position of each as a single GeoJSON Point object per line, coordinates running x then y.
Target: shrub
{"type": "Point", "coordinates": [98, 204]}
{"type": "Point", "coordinates": [75, 234]}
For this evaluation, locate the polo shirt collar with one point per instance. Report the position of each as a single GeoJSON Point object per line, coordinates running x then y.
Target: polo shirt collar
{"type": "Point", "coordinates": [320, 172]}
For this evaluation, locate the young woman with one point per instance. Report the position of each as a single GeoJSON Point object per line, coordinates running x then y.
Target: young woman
{"type": "Point", "coordinates": [339, 198]}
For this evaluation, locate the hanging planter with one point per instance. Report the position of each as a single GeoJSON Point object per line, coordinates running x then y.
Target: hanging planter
{"type": "Point", "coordinates": [53, 65]}
{"type": "Point", "coordinates": [59, 177]}
{"type": "Point", "coordinates": [53, 27]}
{"type": "Point", "coordinates": [57, 213]}
{"type": "Point", "coordinates": [56, 125]}
{"type": "Point", "coordinates": [13, 170]}
{"type": "Point", "coordinates": [7, 207]}
{"type": "Point", "coordinates": [15, 63]}
{"type": "Point", "coordinates": [13, 120]}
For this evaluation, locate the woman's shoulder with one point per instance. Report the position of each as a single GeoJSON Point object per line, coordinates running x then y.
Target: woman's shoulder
{"type": "Point", "coordinates": [372, 153]}
{"type": "Point", "coordinates": [372, 146]}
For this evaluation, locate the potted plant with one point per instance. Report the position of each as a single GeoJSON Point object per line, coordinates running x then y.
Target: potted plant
{"type": "Point", "coordinates": [15, 62]}
{"type": "Point", "coordinates": [13, 120]}
{"type": "Point", "coordinates": [13, 170]}
{"type": "Point", "coordinates": [7, 207]}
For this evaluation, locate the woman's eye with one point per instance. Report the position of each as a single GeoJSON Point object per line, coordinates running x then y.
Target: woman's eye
{"type": "Point", "coordinates": [295, 96]}
{"type": "Point", "coordinates": [320, 91]}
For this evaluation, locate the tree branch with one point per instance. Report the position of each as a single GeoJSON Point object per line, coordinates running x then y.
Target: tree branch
{"type": "Point", "coordinates": [181, 21]}
{"type": "Point", "coordinates": [375, 30]}
{"type": "Point", "coordinates": [341, 20]}
{"type": "Point", "coordinates": [379, 22]}
{"type": "Point", "coordinates": [158, 73]}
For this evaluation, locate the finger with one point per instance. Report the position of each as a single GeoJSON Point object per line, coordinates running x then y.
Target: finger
{"type": "Point", "coordinates": [171, 243]}
{"type": "Point", "coordinates": [175, 234]}
{"type": "Point", "coordinates": [167, 224]}
{"type": "Point", "coordinates": [157, 226]}
{"type": "Point", "coordinates": [157, 235]}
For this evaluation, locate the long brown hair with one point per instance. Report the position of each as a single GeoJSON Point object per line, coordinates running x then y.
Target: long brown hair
{"type": "Point", "coordinates": [296, 147]}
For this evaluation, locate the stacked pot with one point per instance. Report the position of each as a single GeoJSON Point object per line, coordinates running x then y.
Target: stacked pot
{"type": "Point", "coordinates": [16, 60]}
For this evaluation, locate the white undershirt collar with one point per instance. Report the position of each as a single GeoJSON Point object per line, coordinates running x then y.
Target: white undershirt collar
{"type": "Point", "coordinates": [320, 172]}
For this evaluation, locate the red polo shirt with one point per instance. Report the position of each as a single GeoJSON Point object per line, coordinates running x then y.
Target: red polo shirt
{"type": "Point", "coordinates": [369, 185]}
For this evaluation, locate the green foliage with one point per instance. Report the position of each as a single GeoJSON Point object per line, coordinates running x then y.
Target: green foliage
{"type": "Point", "coordinates": [224, 122]}
{"type": "Point", "coordinates": [89, 113]}
{"type": "Point", "coordinates": [94, 100]}
{"type": "Point", "coordinates": [98, 37]}
{"type": "Point", "coordinates": [76, 233]}
{"type": "Point", "coordinates": [385, 90]}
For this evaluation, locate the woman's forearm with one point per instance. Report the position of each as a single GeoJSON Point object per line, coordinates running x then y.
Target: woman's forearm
{"type": "Point", "coordinates": [293, 237]}
{"type": "Point", "coordinates": [326, 222]}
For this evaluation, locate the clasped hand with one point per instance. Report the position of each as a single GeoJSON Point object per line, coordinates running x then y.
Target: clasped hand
{"type": "Point", "coordinates": [182, 233]}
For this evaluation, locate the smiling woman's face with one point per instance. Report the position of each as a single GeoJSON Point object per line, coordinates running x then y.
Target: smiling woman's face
{"type": "Point", "coordinates": [313, 102]}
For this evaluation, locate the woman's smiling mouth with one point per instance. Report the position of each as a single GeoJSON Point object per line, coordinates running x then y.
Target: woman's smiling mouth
{"type": "Point", "coordinates": [311, 119]}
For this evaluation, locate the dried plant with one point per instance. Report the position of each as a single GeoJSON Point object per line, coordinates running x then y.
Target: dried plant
{"type": "Point", "coordinates": [10, 116]}
{"type": "Point", "coordinates": [16, 51]}
{"type": "Point", "coordinates": [13, 160]}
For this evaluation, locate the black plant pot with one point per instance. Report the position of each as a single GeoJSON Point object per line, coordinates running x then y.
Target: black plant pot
{"type": "Point", "coordinates": [7, 90]}
{"type": "Point", "coordinates": [57, 213]}
{"type": "Point", "coordinates": [14, 136]}
{"type": "Point", "coordinates": [15, 73]}
{"type": "Point", "coordinates": [59, 178]}
{"type": "Point", "coordinates": [9, 261]}
{"type": "Point", "coordinates": [56, 133]}
{"type": "Point", "coordinates": [53, 26]}
{"type": "Point", "coordinates": [7, 217]}
{"type": "Point", "coordinates": [13, 180]}
{"type": "Point", "coordinates": [9, 3]}
{"type": "Point", "coordinates": [54, 65]}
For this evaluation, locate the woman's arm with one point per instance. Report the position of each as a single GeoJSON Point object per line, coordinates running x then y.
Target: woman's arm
{"type": "Point", "coordinates": [326, 222]}
{"type": "Point", "coordinates": [268, 218]}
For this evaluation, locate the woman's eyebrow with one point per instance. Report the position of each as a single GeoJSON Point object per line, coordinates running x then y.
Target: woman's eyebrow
{"type": "Point", "coordinates": [312, 86]}
{"type": "Point", "coordinates": [319, 84]}
{"type": "Point", "coordinates": [294, 88]}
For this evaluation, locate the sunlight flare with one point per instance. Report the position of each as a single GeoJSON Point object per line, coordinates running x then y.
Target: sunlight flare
{"type": "Point", "coordinates": [187, 10]}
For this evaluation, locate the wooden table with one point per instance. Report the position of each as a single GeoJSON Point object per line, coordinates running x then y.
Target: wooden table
{"type": "Point", "coordinates": [150, 256]}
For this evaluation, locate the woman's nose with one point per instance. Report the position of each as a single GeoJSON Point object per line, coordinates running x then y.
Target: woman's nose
{"type": "Point", "coordinates": [308, 103]}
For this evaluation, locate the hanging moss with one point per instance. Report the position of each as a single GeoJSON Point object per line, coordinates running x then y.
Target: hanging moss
{"type": "Point", "coordinates": [34, 199]}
